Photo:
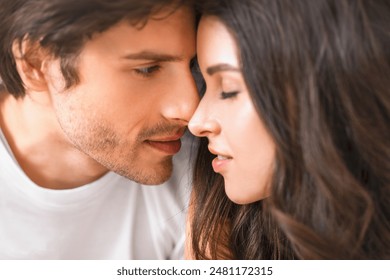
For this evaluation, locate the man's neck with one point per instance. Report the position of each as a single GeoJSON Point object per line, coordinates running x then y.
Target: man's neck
{"type": "Point", "coordinates": [41, 148]}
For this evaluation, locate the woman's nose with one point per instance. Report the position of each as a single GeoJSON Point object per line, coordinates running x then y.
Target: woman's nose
{"type": "Point", "coordinates": [202, 124]}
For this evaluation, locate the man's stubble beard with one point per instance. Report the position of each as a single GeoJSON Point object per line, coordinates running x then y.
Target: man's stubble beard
{"type": "Point", "coordinates": [101, 144]}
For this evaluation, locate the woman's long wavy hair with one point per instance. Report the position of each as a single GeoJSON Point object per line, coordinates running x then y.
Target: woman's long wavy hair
{"type": "Point", "coordinates": [319, 76]}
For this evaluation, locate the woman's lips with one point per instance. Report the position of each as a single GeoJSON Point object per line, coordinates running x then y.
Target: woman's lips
{"type": "Point", "coordinates": [219, 163]}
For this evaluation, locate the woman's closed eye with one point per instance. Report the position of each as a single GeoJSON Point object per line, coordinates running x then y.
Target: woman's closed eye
{"type": "Point", "coordinates": [229, 94]}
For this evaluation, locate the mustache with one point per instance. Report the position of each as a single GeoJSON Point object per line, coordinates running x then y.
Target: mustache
{"type": "Point", "coordinates": [162, 129]}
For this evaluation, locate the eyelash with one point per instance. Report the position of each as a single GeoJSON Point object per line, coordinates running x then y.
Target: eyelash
{"type": "Point", "coordinates": [227, 95]}
{"type": "Point", "coordinates": [147, 71]}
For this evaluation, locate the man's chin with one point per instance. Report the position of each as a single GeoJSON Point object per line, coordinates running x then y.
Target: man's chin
{"type": "Point", "coordinates": [149, 176]}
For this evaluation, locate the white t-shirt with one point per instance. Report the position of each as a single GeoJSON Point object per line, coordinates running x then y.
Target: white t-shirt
{"type": "Point", "coordinates": [111, 218]}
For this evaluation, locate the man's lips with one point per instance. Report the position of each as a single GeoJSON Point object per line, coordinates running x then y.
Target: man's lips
{"type": "Point", "coordinates": [167, 144]}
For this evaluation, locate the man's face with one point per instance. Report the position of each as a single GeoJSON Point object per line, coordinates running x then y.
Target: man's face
{"type": "Point", "coordinates": [135, 97]}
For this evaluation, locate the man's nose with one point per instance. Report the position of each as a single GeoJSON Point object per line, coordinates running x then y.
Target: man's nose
{"type": "Point", "coordinates": [183, 98]}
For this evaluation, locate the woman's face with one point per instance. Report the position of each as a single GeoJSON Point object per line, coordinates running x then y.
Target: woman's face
{"type": "Point", "coordinates": [244, 151]}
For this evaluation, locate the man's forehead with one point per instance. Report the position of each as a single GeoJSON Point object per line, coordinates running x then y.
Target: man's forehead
{"type": "Point", "coordinates": [169, 39]}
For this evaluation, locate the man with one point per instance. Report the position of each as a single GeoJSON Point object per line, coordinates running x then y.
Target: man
{"type": "Point", "coordinates": [91, 87]}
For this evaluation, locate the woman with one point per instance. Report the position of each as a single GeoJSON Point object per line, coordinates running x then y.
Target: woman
{"type": "Point", "coordinates": [295, 123]}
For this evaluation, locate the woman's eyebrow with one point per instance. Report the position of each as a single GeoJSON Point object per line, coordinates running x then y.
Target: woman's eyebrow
{"type": "Point", "coordinates": [221, 67]}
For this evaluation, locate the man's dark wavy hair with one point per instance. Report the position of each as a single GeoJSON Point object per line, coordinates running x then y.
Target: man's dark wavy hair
{"type": "Point", "coordinates": [61, 27]}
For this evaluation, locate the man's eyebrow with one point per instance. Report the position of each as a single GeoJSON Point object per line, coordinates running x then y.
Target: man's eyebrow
{"type": "Point", "coordinates": [153, 56]}
{"type": "Point", "coordinates": [221, 67]}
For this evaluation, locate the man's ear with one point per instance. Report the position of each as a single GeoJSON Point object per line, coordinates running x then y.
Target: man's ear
{"type": "Point", "coordinates": [30, 59]}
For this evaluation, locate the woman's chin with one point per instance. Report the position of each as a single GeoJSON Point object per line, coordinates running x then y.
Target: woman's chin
{"type": "Point", "coordinates": [241, 197]}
